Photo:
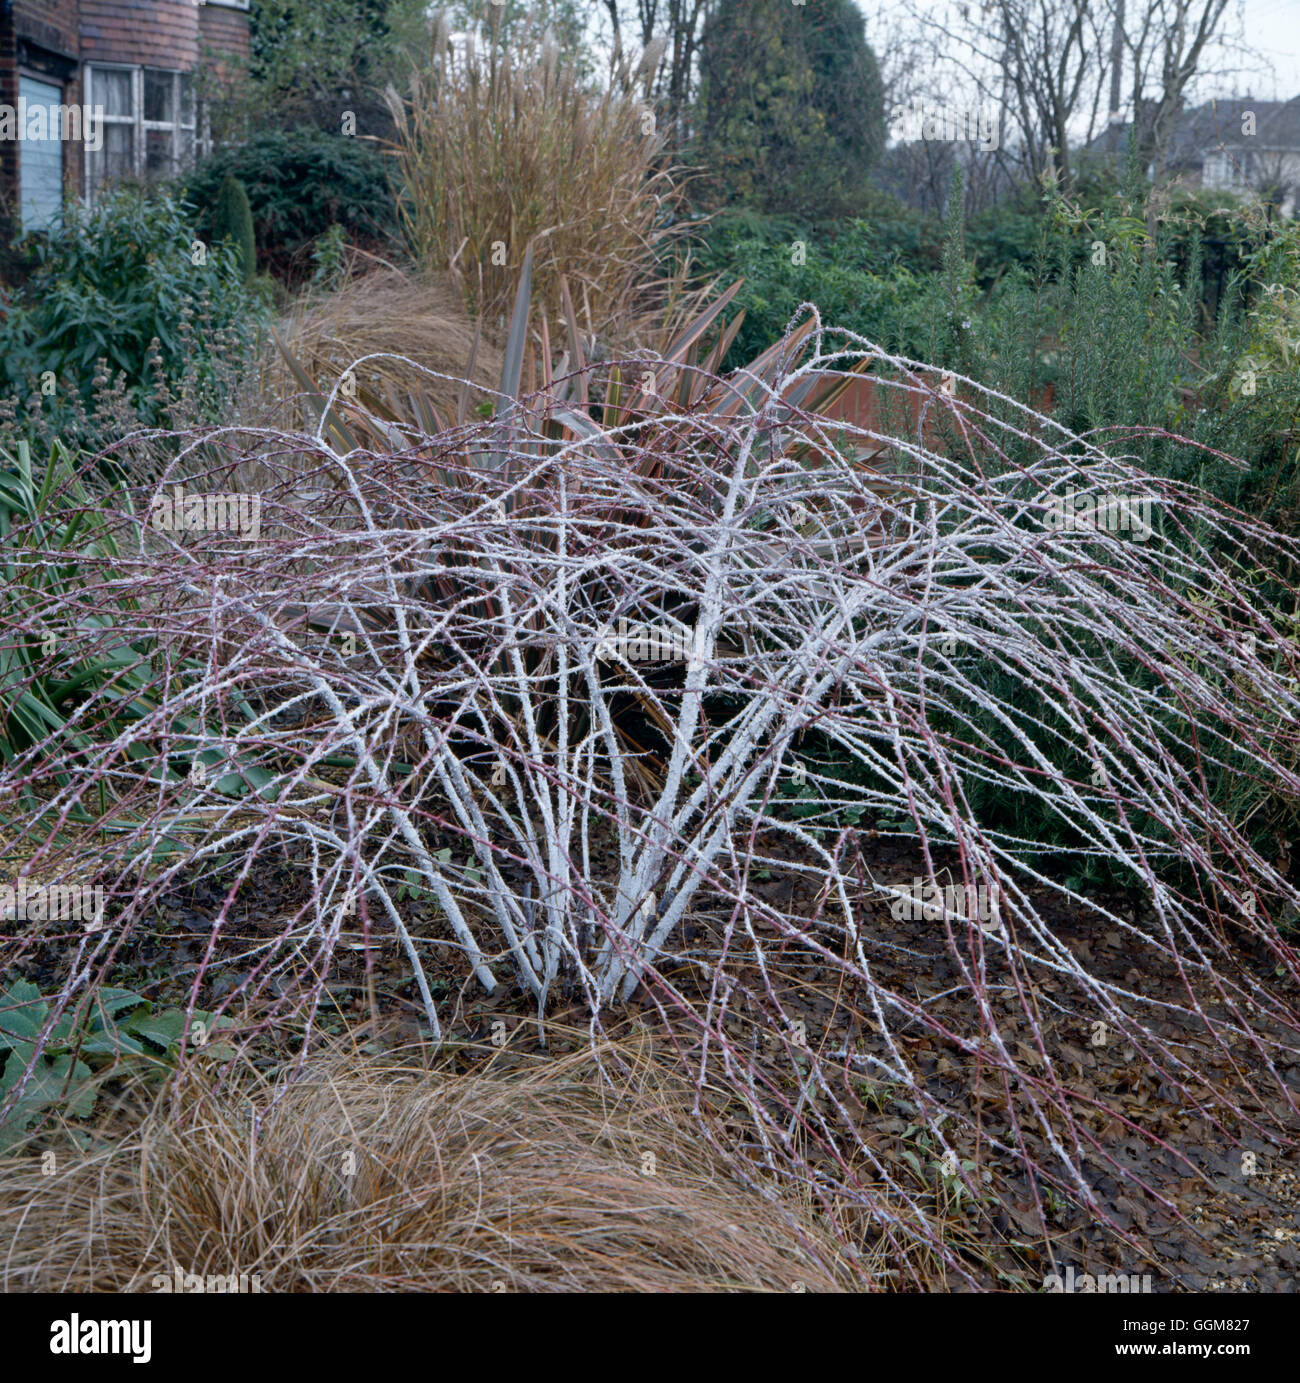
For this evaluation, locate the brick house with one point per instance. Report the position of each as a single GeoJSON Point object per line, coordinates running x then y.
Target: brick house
{"type": "Point", "coordinates": [150, 65]}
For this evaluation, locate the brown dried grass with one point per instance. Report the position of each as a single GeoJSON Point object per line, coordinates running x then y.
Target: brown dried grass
{"type": "Point", "coordinates": [553, 1178]}
{"type": "Point", "coordinates": [386, 310]}
{"type": "Point", "coordinates": [501, 146]}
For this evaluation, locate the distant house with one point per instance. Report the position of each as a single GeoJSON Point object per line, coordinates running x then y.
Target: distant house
{"type": "Point", "coordinates": [138, 61]}
{"type": "Point", "coordinates": [1240, 144]}
{"type": "Point", "coordinates": [1217, 141]}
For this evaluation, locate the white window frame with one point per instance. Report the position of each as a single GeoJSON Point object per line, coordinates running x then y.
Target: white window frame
{"type": "Point", "coordinates": [227, 4]}
{"type": "Point", "coordinates": [137, 121]}
{"type": "Point", "coordinates": [90, 95]}
{"type": "Point", "coordinates": [176, 125]}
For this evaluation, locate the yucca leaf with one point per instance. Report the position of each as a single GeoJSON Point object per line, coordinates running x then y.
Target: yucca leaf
{"type": "Point", "coordinates": [462, 406]}
{"type": "Point", "coordinates": [692, 332]}
{"type": "Point", "coordinates": [724, 343]}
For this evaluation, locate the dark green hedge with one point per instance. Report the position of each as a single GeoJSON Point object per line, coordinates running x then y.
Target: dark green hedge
{"type": "Point", "coordinates": [299, 184]}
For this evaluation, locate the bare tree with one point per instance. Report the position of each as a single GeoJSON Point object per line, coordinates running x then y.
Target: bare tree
{"type": "Point", "coordinates": [677, 24]}
{"type": "Point", "coordinates": [1039, 60]}
{"type": "Point", "coordinates": [1114, 115]}
{"type": "Point", "coordinates": [1164, 46]}
{"type": "Point", "coordinates": [1061, 69]}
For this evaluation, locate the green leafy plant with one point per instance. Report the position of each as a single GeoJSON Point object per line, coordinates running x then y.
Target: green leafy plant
{"type": "Point", "coordinates": [791, 109]}
{"type": "Point", "coordinates": [43, 514]}
{"type": "Point", "coordinates": [67, 672]}
{"type": "Point", "coordinates": [116, 1028]}
{"type": "Point", "coordinates": [851, 271]}
{"type": "Point", "coordinates": [232, 220]}
{"type": "Point", "coordinates": [329, 255]}
{"type": "Point", "coordinates": [414, 887]}
{"type": "Point", "coordinates": [299, 184]}
{"type": "Point", "coordinates": [311, 59]}
{"type": "Point", "coordinates": [125, 284]}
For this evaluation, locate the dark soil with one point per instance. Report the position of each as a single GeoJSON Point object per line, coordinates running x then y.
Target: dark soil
{"type": "Point", "coordinates": [1196, 1213]}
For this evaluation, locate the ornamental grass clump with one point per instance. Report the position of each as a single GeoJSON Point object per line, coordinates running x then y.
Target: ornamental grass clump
{"type": "Point", "coordinates": [500, 145]}
{"type": "Point", "coordinates": [363, 1174]}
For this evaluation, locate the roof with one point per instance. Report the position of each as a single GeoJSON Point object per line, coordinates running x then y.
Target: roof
{"type": "Point", "coordinates": [1198, 131]}
{"type": "Point", "coordinates": [1204, 128]}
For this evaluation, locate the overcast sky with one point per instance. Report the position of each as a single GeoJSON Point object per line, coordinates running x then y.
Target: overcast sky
{"type": "Point", "coordinates": [1273, 27]}
{"type": "Point", "coordinates": [1269, 31]}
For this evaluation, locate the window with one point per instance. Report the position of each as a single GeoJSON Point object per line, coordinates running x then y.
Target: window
{"type": "Point", "coordinates": [40, 160]}
{"type": "Point", "coordinates": [150, 123]}
{"type": "Point", "coordinates": [114, 91]}
{"type": "Point", "coordinates": [1223, 169]}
